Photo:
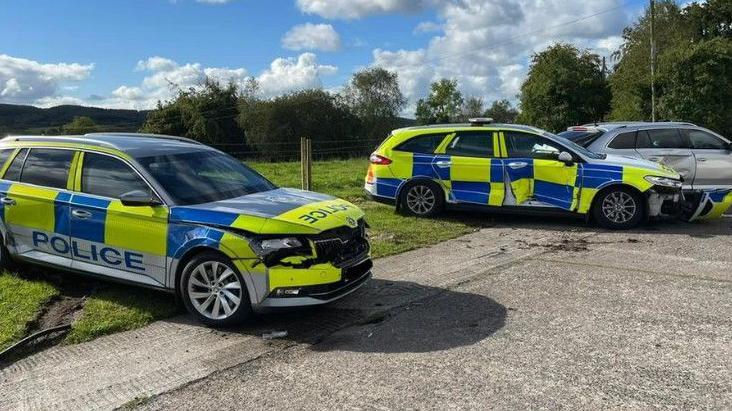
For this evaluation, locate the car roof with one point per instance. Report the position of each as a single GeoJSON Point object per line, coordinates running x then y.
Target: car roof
{"type": "Point", "coordinates": [133, 144]}
{"type": "Point", "coordinates": [629, 124]}
{"type": "Point", "coordinates": [462, 126]}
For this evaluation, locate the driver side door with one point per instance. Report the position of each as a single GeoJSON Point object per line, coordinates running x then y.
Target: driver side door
{"type": "Point", "coordinates": [109, 237]}
{"type": "Point", "coordinates": [534, 175]}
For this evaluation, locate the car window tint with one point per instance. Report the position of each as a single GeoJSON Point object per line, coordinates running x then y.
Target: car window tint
{"type": "Point", "coordinates": [5, 155]}
{"type": "Point", "coordinates": [623, 141]}
{"type": "Point", "coordinates": [109, 177]}
{"type": "Point", "coordinates": [13, 172]}
{"type": "Point", "coordinates": [701, 140]}
{"type": "Point", "coordinates": [47, 167]}
{"type": "Point", "coordinates": [424, 144]}
{"type": "Point", "coordinates": [471, 144]}
{"type": "Point", "coordinates": [524, 145]}
{"type": "Point", "coordinates": [661, 138]}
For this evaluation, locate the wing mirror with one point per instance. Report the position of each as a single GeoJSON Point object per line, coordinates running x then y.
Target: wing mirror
{"type": "Point", "coordinates": [139, 198]}
{"type": "Point", "coordinates": [566, 158]}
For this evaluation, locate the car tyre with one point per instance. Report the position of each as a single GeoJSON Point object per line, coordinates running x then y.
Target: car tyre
{"type": "Point", "coordinates": [422, 199]}
{"type": "Point", "coordinates": [214, 291]}
{"type": "Point", "coordinates": [618, 208]}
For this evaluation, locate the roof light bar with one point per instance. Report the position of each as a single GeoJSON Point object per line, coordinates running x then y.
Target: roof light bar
{"type": "Point", "coordinates": [477, 121]}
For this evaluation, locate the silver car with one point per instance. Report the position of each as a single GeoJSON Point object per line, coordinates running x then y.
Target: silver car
{"type": "Point", "coordinates": [702, 157]}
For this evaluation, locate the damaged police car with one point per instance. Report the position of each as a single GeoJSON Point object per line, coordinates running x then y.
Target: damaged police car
{"type": "Point", "coordinates": [169, 213]}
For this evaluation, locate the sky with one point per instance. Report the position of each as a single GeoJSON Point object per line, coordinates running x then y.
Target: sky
{"type": "Point", "coordinates": [134, 53]}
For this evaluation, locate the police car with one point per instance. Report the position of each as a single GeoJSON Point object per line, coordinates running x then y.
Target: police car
{"type": "Point", "coordinates": [425, 169]}
{"type": "Point", "coordinates": [172, 214]}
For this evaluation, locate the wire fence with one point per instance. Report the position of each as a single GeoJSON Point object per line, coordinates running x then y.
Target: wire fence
{"type": "Point", "coordinates": [286, 151]}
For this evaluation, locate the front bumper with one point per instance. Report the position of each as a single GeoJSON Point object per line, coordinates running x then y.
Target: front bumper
{"type": "Point", "coordinates": [351, 278]}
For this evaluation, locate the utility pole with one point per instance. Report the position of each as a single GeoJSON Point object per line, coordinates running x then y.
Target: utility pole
{"type": "Point", "coordinates": [653, 62]}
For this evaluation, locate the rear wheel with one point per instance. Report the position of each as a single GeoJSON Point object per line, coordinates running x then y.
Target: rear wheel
{"type": "Point", "coordinates": [214, 291]}
{"type": "Point", "coordinates": [422, 199]}
{"type": "Point", "coordinates": [618, 208]}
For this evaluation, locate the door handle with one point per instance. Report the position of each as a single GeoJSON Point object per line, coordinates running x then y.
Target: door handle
{"type": "Point", "coordinates": [656, 159]}
{"type": "Point", "coordinates": [81, 214]}
{"type": "Point", "coordinates": [518, 164]}
{"type": "Point", "coordinates": [443, 164]}
{"type": "Point", "coordinates": [7, 201]}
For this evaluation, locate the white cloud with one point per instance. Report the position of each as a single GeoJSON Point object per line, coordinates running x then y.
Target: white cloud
{"type": "Point", "coordinates": [487, 44]}
{"type": "Point", "coordinates": [356, 9]}
{"type": "Point", "coordinates": [289, 74]}
{"type": "Point", "coordinates": [312, 37]}
{"type": "Point", "coordinates": [24, 81]}
{"type": "Point", "coordinates": [427, 27]}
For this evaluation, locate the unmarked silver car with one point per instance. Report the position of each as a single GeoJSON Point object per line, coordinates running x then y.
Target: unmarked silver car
{"type": "Point", "coordinates": [702, 157]}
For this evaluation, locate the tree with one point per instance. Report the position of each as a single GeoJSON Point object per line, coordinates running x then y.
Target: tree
{"type": "Point", "coordinates": [472, 107]}
{"type": "Point", "coordinates": [274, 127]}
{"type": "Point", "coordinates": [206, 114]}
{"type": "Point", "coordinates": [79, 125]}
{"type": "Point", "coordinates": [631, 79]}
{"type": "Point", "coordinates": [373, 95]}
{"type": "Point", "coordinates": [442, 105]}
{"type": "Point", "coordinates": [710, 19]}
{"type": "Point", "coordinates": [698, 84]}
{"type": "Point", "coordinates": [501, 111]}
{"type": "Point", "coordinates": [565, 86]}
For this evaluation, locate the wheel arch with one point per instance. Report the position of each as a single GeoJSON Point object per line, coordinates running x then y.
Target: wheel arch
{"type": "Point", "coordinates": [417, 179]}
{"type": "Point", "coordinates": [619, 184]}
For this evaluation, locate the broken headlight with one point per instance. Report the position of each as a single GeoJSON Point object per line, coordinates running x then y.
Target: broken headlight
{"type": "Point", "coordinates": [264, 247]}
{"type": "Point", "coordinates": [664, 181]}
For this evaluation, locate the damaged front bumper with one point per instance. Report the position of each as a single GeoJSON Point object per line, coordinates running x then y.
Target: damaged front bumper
{"type": "Point", "coordinates": [689, 205]}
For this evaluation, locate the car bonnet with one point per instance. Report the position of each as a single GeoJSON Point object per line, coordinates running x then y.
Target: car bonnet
{"type": "Point", "coordinates": [627, 161]}
{"type": "Point", "coordinates": [279, 211]}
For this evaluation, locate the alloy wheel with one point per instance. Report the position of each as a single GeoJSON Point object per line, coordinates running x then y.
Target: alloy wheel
{"type": "Point", "coordinates": [421, 199]}
{"type": "Point", "coordinates": [214, 290]}
{"type": "Point", "coordinates": [619, 207]}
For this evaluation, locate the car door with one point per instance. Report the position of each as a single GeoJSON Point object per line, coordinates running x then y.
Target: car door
{"type": "Point", "coordinates": [668, 146]}
{"type": "Point", "coordinates": [35, 202]}
{"type": "Point", "coordinates": [713, 159]}
{"type": "Point", "coordinates": [534, 175]}
{"type": "Point", "coordinates": [469, 169]}
{"type": "Point", "coordinates": [127, 242]}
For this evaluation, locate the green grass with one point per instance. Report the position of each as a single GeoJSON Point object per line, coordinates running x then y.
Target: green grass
{"type": "Point", "coordinates": [120, 308]}
{"type": "Point", "coordinates": [20, 303]}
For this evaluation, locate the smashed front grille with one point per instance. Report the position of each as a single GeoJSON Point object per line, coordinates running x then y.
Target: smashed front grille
{"type": "Point", "coordinates": [343, 246]}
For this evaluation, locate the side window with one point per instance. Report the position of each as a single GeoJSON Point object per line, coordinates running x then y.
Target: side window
{"type": "Point", "coordinates": [106, 176]}
{"type": "Point", "coordinates": [5, 155]}
{"type": "Point", "coordinates": [701, 140]}
{"type": "Point", "coordinates": [424, 144]}
{"type": "Point", "coordinates": [471, 144]}
{"type": "Point", "coordinates": [13, 172]}
{"type": "Point", "coordinates": [523, 145]}
{"type": "Point", "coordinates": [661, 138]}
{"type": "Point", "coordinates": [623, 141]}
{"type": "Point", "coordinates": [47, 167]}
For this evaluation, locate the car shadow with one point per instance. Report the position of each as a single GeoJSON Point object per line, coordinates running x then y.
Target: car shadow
{"type": "Point", "coordinates": [382, 317]}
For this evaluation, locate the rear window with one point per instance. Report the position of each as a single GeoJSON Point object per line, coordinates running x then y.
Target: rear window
{"type": "Point", "coordinates": [661, 138]}
{"type": "Point", "coordinates": [623, 141]}
{"type": "Point", "coordinates": [47, 167]}
{"type": "Point", "coordinates": [13, 173]}
{"type": "Point", "coordinates": [701, 140]}
{"type": "Point", "coordinates": [471, 144]}
{"type": "Point", "coordinates": [582, 138]}
{"type": "Point", "coordinates": [424, 144]}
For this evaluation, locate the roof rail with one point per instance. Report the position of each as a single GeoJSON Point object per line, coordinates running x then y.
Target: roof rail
{"type": "Point", "coordinates": [145, 135]}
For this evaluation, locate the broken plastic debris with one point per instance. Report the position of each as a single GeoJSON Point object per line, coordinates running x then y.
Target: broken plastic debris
{"type": "Point", "coordinates": [274, 334]}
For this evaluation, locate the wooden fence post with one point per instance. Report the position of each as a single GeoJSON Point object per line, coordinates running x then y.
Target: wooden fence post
{"type": "Point", "coordinates": [306, 164]}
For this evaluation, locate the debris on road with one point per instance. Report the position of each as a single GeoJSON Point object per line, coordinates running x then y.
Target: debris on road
{"type": "Point", "coordinates": [274, 335]}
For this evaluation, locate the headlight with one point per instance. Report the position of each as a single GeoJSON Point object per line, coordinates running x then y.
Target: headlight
{"type": "Point", "coordinates": [267, 246]}
{"type": "Point", "coordinates": [664, 181]}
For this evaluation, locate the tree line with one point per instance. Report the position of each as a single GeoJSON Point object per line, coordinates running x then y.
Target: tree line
{"type": "Point", "coordinates": [565, 86]}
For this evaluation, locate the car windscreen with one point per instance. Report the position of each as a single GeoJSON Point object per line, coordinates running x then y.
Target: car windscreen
{"type": "Point", "coordinates": [203, 176]}
{"type": "Point", "coordinates": [575, 147]}
{"type": "Point", "coordinates": [582, 138]}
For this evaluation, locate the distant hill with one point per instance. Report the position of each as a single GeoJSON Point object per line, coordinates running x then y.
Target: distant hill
{"type": "Point", "coordinates": [18, 119]}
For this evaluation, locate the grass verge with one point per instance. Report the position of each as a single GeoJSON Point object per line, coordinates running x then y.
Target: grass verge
{"type": "Point", "coordinates": [20, 303]}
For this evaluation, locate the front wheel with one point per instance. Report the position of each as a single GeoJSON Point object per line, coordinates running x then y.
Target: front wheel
{"type": "Point", "coordinates": [214, 291]}
{"type": "Point", "coordinates": [618, 209]}
{"type": "Point", "coordinates": [422, 199]}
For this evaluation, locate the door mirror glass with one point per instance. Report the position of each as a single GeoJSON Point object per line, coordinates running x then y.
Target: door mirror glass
{"type": "Point", "coordinates": [139, 198]}
{"type": "Point", "coordinates": [565, 157]}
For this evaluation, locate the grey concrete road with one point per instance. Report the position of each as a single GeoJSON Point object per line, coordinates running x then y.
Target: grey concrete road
{"type": "Point", "coordinates": [519, 315]}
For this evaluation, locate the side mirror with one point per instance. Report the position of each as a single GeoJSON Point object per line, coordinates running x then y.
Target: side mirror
{"type": "Point", "coordinates": [138, 198]}
{"type": "Point", "coordinates": [565, 158]}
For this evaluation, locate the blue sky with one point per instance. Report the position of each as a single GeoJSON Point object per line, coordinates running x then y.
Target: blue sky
{"type": "Point", "coordinates": [127, 53]}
